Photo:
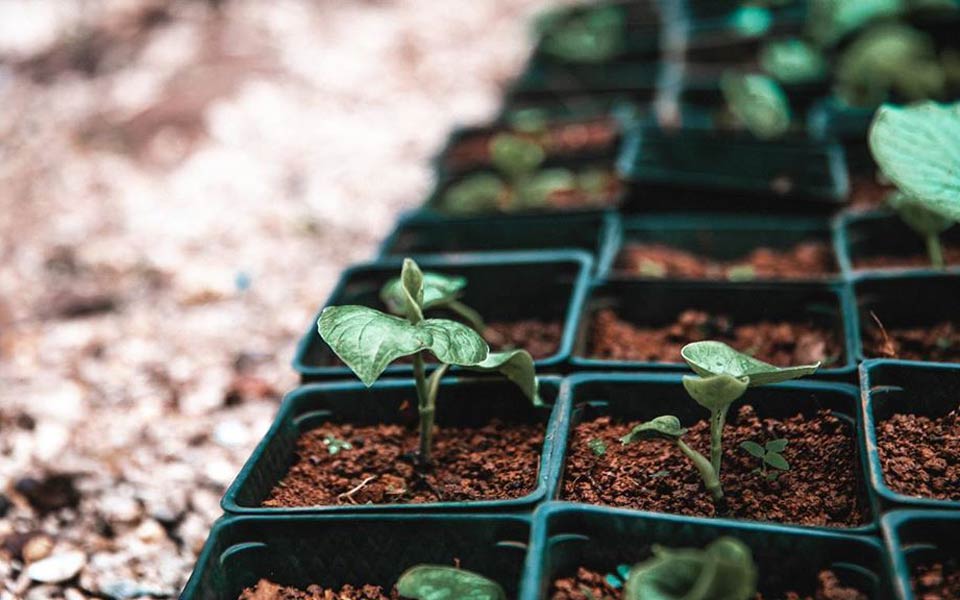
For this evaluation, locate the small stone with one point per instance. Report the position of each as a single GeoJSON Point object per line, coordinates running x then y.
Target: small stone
{"type": "Point", "coordinates": [119, 508]}
{"type": "Point", "coordinates": [151, 532]}
{"type": "Point", "coordinates": [231, 434]}
{"type": "Point", "coordinates": [57, 568]}
{"type": "Point", "coordinates": [37, 548]}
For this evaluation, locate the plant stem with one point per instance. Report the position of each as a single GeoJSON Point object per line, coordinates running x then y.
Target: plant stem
{"type": "Point", "coordinates": [711, 478]}
{"type": "Point", "coordinates": [474, 320]}
{"type": "Point", "coordinates": [423, 407]}
{"type": "Point", "coordinates": [717, 420]}
{"type": "Point", "coordinates": [935, 250]}
{"type": "Point", "coordinates": [428, 411]}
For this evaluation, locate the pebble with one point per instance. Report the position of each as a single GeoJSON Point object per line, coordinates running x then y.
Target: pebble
{"type": "Point", "coordinates": [151, 532]}
{"type": "Point", "coordinates": [118, 508]}
{"type": "Point", "coordinates": [57, 568]}
{"type": "Point", "coordinates": [37, 548]}
{"type": "Point", "coordinates": [231, 434]}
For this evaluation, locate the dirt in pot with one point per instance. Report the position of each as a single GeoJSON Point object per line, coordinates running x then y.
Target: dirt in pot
{"type": "Point", "coordinates": [267, 590]}
{"type": "Point", "coordinates": [592, 585]}
{"type": "Point", "coordinates": [806, 260]}
{"type": "Point", "coordinates": [936, 580]}
{"type": "Point", "coordinates": [866, 193]}
{"type": "Point", "coordinates": [917, 260]}
{"type": "Point", "coordinates": [781, 343]}
{"type": "Point", "coordinates": [344, 464]}
{"type": "Point", "coordinates": [821, 488]}
{"type": "Point", "coordinates": [920, 456]}
{"type": "Point", "coordinates": [939, 342]}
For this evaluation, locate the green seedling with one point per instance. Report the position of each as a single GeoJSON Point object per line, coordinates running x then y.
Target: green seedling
{"type": "Point", "coordinates": [770, 456]}
{"type": "Point", "coordinates": [439, 292]}
{"type": "Point", "coordinates": [438, 582]}
{"type": "Point", "coordinates": [758, 102]}
{"type": "Point", "coordinates": [334, 444]}
{"type": "Point", "coordinates": [368, 340]}
{"type": "Point", "coordinates": [597, 446]}
{"type": "Point", "coordinates": [724, 570]}
{"type": "Point", "coordinates": [582, 34]}
{"type": "Point", "coordinates": [918, 148]}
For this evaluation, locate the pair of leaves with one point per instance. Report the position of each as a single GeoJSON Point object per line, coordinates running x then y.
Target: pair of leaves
{"type": "Point", "coordinates": [438, 582]}
{"type": "Point", "coordinates": [438, 290]}
{"type": "Point", "coordinates": [770, 453]}
{"type": "Point", "coordinates": [710, 358]}
{"type": "Point", "coordinates": [793, 61]}
{"type": "Point", "coordinates": [758, 102]}
{"type": "Point", "coordinates": [583, 34]}
{"type": "Point", "coordinates": [514, 155]}
{"type": "Point", "coordinates": [724, 570]}
{"type": "Point", "coordinates": [828, 21]}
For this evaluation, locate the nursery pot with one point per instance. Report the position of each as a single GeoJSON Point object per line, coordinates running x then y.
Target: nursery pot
{"type": "Point", "coordinates": [862, 237]}
{"type": "Point", "coordinates": [917, 537]}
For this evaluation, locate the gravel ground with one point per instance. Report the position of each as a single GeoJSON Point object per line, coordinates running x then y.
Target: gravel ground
{"type": "Point", "coordinates": [180, 185]}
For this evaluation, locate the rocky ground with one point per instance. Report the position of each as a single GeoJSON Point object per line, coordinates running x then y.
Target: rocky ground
{"type": "Point", "coordinates": [181, 183]}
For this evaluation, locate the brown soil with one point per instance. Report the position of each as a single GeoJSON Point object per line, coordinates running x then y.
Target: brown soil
{"type": "Point", "coordinates": [577, 198]}
{"type": "Point", "coordinates": [781, 343]}
{"type": "Point", "coordinates": [821, 488]}
{"type": "Point", "coordinates": [597, 588]}
{"type": "Point", "coordinates": [921, 456]}
{"type": "Point", "coordinates": [936, 582]}
{"type": "Point", "coordinates": [939, 342]}
{"type": "Point", "coordinates": [920, 260]}
{"type": "Point", "coordinates": [866, 193]}
{"type": "Point", "coordinates": [267, 590]}
{"type": "Point", "coordinates": [497, 461]}
{"type": "Point", "coordinates": [803, 261]}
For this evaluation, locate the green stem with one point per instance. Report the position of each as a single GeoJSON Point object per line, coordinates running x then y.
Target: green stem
{"type": "Point", "coordinates": [935, 250]}
{"type": "Point", "coordinates": [711, 478]}
{"type": "Point", "coordinates": [428, 411]}
{"type": "Point", "coordinates": [423, 403]}
{"type": "Point", "coordinates": [472, 317]}
{"type": "Point", "coordinates": [717, 420]}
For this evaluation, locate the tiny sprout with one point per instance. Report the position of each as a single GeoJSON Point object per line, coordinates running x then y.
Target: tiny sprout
{"type": "Point", "coordinates": [438, 582]}
{"type": "Point", "coordinates": [334, 444]}
{"type": "Point", "coordinates": [769, 454]}
{"type": "Point", "coordinates": [597, 446]}
{"type": "Point", "coordinates": [439, 292]}
{"type": "Point", "coordinates": [741, 273]}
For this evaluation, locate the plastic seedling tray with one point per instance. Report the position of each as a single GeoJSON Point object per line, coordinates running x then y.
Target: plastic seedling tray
{"type": "Point", "coordinates": [333, 550]}
{"type": "Point", "coordinates": [705, 170]}
{"type": "Point", "coordinates": [460, 403]}
{"type": "Point", "coordinates": [882, 233]}
{"type": "Point", "coordinates": [646, 396]}
{"type": "Point", "coordinates": [890, 387]}
{"type": "Point", "coordinates": [721, 237]}
{"type": "Point", "coordinates": [596, 233]}
{"type": "Point", "coordinates": [914, 537]}
{"type": "Point", "coordinates": [566, 537]}
{"type": "Point", "coordinates": [659, 302]}
{"type": "Point", "coordinates": [502, 286]}
{"type": "Point", "coordinates": [629, 78]}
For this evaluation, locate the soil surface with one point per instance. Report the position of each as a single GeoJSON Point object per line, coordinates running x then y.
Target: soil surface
{"type": "Point", "coordinates": [936, 581]}
{"type": "Point", "coordinates": [811, 259]}
{"type": "Point", "coordinates": [267, 590]}
{"type": "Point", "coordinates": [781, 343]}
{"type": "Point", "coordinates": [920, 260]}
{"type": "Point", "coordinates": [498, 461]}
{"type": "Point", "coordinates": [577, 198]}
{"type": "Point", "coordinates": [592, 585]}
{"type": "Point", "coordinates": [866, 193]}
{"type": "Point", "coordinates": [921, 456]}
{"type": "Point", "coordinates": [939, 342]}
{"type": "Point", "coordinates": [821, 488]}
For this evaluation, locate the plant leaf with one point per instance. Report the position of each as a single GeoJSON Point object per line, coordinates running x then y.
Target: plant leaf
{"type": "Point", "coordinates": [588, 34]}
{"type": "Point", "coordinates": [753, 448]}
{"type": "Point", "coordinates": [517, 366]}
{"type": "Point", "coordinates": [535, 191]}
{"type": "Point", "coordinates": [438, 582]}
{"type": "Point", "coordinates": [597, 446]}
{"type": "Point", "coordinates": [367, 340]}
{"type": "Point", "coordinates": [777, 461]}
{"type": "Point", "coordinates": [514, 155]}
{"type": "Point", "coordinates": [917, 216]}
{"type": "Point", "coordinates": [438, 290]}
{"type": "Point", "coordinates": [716, 358]}
{"type": "Point", "coordinates": [758, 102]}
{"type": "Point", "coordinates": [666, 426]}
{"type": "Point", "coordinates": [918, 148]}
{"type": "Point", "coordinates": [724, 570]}
{"type": "Point", "coordinates": [793, 61]}
{"type": "Point", "coordinates": [776, 445]}
{"type": "Point", "coordinates": [830, 20]}
{"type": "Point", "coordinates": [751, 21]}
{"type": "Point", "coordinates": [477, 193]}
{"type": "Point", "coordinates": [715, 392]}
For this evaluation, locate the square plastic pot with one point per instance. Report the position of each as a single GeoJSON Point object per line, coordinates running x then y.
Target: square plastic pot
{"type": "Point", "coordinates": [567, 536]}
{"type": "Point", "coordinates": [644, 397]}
{"type": "Point", "coordinates": [889, 387]}
{"type": "Point", "coordinates": [911, 300]}
{"type": "Point", "coordinates": [882, 233]}
{"type": "Point", "coordinates": [461, 402]}
{"type": "Point", "coordinates": [502, 286]}
{"type": "Point", "coordinates": [913, 537]}
{"type": "Point", "coordinates": [703, 170]}
{"type": "Point", "coordinates": [596, 233]}
{"type": "Point", "coordinates": [361, 549]}
{"type": "Point", "coordinates": [634, 79]}
{"type": "Point", "coordinates": [722, 237]}
{"type": "Point", "coordinates": [659, 302]}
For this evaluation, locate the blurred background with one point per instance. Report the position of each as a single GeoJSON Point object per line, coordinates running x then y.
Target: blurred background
{"type": "Point", "coordinates": [181, 183]}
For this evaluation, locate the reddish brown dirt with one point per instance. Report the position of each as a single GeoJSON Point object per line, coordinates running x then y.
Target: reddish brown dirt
{"type": "Point", "coordinates": [920, 260]}
{"type": "Point", "coordinates": [936, 582]}
{"type": "Point", "coordinates": [821, 488]}
{"type": "Point", "coordinates": [780, 343]}
{"type": "Point", "coordinates": [921, 456]}
{"type": "Point", "coordinates": [803, 261]}
{"type": "Point", "coordinates": [577, 198]}
{"type": "Point", "coordinates": [538, 338]}
{"type": "Point", "coordinates": [591, 585]}
{"type": "Point", "coordinates": [939, 342]}
{"type": "Point", "coordinates": [267, 590]}
{"type": "Point", "coordinates": [498, 461]}
{"type": "Point", "coordinates": [866, 193]}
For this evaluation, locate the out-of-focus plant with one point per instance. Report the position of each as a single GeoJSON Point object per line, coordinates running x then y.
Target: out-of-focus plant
{"type": "Point", "coordinates": [439, 582]}
{"type": "Point", "coordinates": [582, 34]}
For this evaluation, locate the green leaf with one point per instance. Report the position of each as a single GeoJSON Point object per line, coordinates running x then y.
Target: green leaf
{"type": "Point", "coordinates": [597, 446]}
{"type": "Point", "coordinates": [666, 426]}
{"type": "Point", "coordinates": [367, 340]}
{"type": "Point", "coordinates": [723, 571]}
{"type": "Point", "coordinates": [776, 445]}
{"type": "Point", "coordinates": [438, 290]}
{"type": "Point", "coordinates": [917, 216]}
{"type": "Point", "coordinates": [716, 358]}
{"type": "Point", "coordinates": [533, 119]}
{"type": "Point", "coordinates": [741, 273]}
{"type": "Point", "coordinates": [751, 21]}
{"type": "Point", "coordinates": [514, 155]}
{"type": "Point", "coordinates": [758, 102]}
{"type": "Point", "coordinates": [753, 449]}
{"type": "Point", "coordinates": [517, 366]}
{"type": "Point", "coordinates": [438, 582]}
{"type": "Point", "coordinates": [715, 392]}
{"type": "Point", "coordinates": [918, 149]}
{"type": "Point", "coordinates": [477, 193]}
{"type": "Point", "coordinates": [583, 34]}
{"type": "Point", "coordinates": [793, 61]}
{"type": "Point", "coordinates": [830, 20]}
{"type": "Point", "coordinates": [776, 461]}
{"type": "Point", "coordinates": [535, 191]}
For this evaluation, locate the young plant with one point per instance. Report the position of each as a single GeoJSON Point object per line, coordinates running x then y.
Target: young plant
{"type": "Point", "coordinates": [583, 34]}
{"type": "Point", "coordinates": [439, 582]}
{"type": "Point", "coordinates": [918, 148]}
{"type": "Point", "coordinates": [724, 570]}
{"type": "Point", "coordinates": [368, 340]}
{"type": "Point", "coordinates": [769, 455]}
{"type": "Point", "coordinates": [439, 292]}
{"type": "Point", "coordinates": [758, 102]}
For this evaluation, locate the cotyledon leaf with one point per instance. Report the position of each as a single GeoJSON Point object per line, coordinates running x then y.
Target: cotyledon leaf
{"type": "Point", "coordinates": [368, 340]}
{"type": "Point", "coordinates": [715, 392]}
{"type": "Point", "coordinates": [917, 216]}
{"type": "Point", "coordinates": [517, 366]}
{"type": "Point", "coordinates": [438, 582]}
{"type": "Point", "coordinates": [666, 426]}
{"type": "Point", "coordinates": [758, 102]}
{"type": "Point", "coordinates": [437, 290]}
{"type": "Point", "coordinates": [793, 61]}
{"type": "Point", "coordinates": [710, 358]}
{"type": "Point", "coordinates": [723, 571]}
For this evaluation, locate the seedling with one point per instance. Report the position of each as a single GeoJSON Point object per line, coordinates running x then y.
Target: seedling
{"type": "Point", "coordinates": [769, 455]}
{"type": "Point", "coordinates": [597, 446]}
{"type": "Point", "coordinates": [724, 570]}
{"type": "Point", "coordinates": [918, 149]}
{"type": "Point", "coordinates": [438, 582]}
{"type": "Point", "coordinates": [368, 340]}
{"type": "Point", "coordinates": [439, 292]}
{"type": "Point", "coordinates": [758, 102]}
{"type": "Point", "coordinates": [582, 34]}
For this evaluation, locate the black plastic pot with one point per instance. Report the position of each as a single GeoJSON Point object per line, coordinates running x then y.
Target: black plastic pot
{"type": "Point", "coordinates": [502, 286]}
{"type": "Point", "coordinates": [916, 537]}
{"type": "Point", "coordinates": [597, 233]}
{"type": "Point", "coordinates": [333, 551]}
{"type": "Point", "coordinates": [882, 233]}
{"type": "Point", "coordinates": [659, 302]}
{"type": "Point", "coordinates": [643, 397]}
{"type": "Point", "coordinates": [468, 402]}
{"type": "Point", "coordinates": [566, 537]}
